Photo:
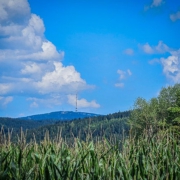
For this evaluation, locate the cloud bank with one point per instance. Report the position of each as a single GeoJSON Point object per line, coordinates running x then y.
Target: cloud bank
{"type": "Point", "coordinates": [30, 64]}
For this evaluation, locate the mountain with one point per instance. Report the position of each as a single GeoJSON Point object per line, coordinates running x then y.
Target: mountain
{"type": "Point", "coordinates": [97, 126]}
{"type": "Point", "coordinates": [59, 116]}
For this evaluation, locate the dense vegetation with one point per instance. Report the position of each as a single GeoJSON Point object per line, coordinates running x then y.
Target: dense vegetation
{"type": "Point", "coordinates": [155, 158]}
{"type": "Point", "coordinates": [102, 126]}
{"type": "Point", "coordinates": [99, 126]}
{"type": "Point", "coordinates": [142, 144]}
{"type": "Point", "coordinates": [16, 124]}
{"type": "Point", "coordinates": [162, 112]}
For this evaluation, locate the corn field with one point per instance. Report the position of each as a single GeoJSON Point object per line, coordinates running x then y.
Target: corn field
{"type": "Point", "coordinates": [153, 158]}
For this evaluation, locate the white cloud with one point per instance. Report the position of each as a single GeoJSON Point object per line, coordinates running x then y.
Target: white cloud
{"type": "Point", "coordinates": [49, 102]}
{"type": "Point", "coordinates": [171, 68]}
{"type": "Point", "coordinates": [129, 51]}
{"type": "Point", "coordinates": [5, 88]}
{"type": "Point", "coordinates": [154, 61]}
{"type": "Point", "coordinates": [31, 68]}
{"type": "Point", "coordinates": [31, 65]}
{"type": "Point", "coordinates": [121, 85]}
{"type": "Point", "coordinates": [122, 75]}
{"type": "Point", "coordinates": [175, 16]}
{"type": "Point", "coordinates": [82, 103]}
{"type": "Point", "coordinates": [147, 49]}
{"type": "Point", "coordinates": [65, 79]}
{"type": "Point", "coordinates": [129, 72]}
{"type": "Point", "coordinates": [155, 3]}
{"type": "Point", "coordinates": [5, 100]}
{"type": "Point", "coordinates": [13, 10]}
{"type": "Point", "coordinates": [159, 49]}
{"type": "Point", "coordinates": [34, 105]}
{"type": "Point", "coordinates": [170, 64]}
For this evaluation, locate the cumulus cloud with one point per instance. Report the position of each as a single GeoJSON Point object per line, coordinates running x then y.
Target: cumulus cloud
{"type": "Point", "coordinates": [159, 49]}
{"type": "Point", "coordinates": [82, 103]}
{"type": "Point", "coordinates": [171, 67]}
{"type": "Point", "coordinates": [170, 63]}
{"type": "Point", "coordinates": [155, 3]}
{"type": "Point", "coordinates": [65, 79]}
{"type": "Point", "coordinates": [14, 11]}
{"type": "Point", "coordinates": [175, 16]}
{"type": "Point", "coordinates": [30, 64]}
{"type": "Point", "coordinates": [129, 51]}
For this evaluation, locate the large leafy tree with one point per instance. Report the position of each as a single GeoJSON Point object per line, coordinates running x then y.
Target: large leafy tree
{"type": "Point", "coordinates": [144, 116]}
{"type": "Point", "coordinates": [157, 113]}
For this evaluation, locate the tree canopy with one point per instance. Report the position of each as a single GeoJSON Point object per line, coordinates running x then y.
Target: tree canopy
{"type": "Point", "coordinates": [160, 112]}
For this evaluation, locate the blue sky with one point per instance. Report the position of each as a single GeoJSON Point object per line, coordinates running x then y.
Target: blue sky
{"type": "Point", "coordinates": [107, 52]}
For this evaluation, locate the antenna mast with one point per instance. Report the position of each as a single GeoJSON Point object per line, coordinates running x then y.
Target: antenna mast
{"type": "Point", "coordinates": [76, 103]}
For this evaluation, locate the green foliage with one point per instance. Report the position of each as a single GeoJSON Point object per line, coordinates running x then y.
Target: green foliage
{"type": "Point", "coordinates": [174, 113]}
{"type": "Point", "coordinates": [155, 158]}
{"type": "Point", "coordinates": [85, 128]}
{"type": "Point", "coordinates": [159, 113]}
{"type": "Point", "coordinates": [99, 126]}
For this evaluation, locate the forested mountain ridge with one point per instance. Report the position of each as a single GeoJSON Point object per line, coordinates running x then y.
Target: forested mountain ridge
{"type": "Point", "coordinates": [16, 124]}
{"type": "Point", "coordinates": [59, 115]}
{"type": "Point", "coordinates": [97, 125]}
{"type": "Point", "coordinates": [36, 121]}
{"type": "Point", "coordinates": [100, 126]}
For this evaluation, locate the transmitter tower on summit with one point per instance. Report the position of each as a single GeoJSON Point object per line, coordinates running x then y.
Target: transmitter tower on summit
{"type": "Point", "coordinates": [76, 103]}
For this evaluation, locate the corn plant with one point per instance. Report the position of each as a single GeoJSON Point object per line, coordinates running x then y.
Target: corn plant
{"type": "Point", "coordinates": [155, 158]}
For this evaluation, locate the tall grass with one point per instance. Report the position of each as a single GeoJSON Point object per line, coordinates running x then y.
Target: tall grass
{"type": "Point", "coordinates": [154, 158]}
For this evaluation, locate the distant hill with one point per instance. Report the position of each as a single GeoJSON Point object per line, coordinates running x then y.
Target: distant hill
{"type": "Point", "coordinates": [59, 116]}
{"type": "Point", "coordinates": [77, 126]}
{"type": "Point", "coordinates": [35, 121]}
{"type": "Point", "coordinates": [112, 126]}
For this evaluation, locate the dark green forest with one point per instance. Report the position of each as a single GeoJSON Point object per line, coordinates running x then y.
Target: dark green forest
{"type": "Point", "coordinates": [99, 126]}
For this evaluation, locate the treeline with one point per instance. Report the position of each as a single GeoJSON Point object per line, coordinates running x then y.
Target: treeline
{"type": "Point", "coordinates": [16, 124]}
{"type": "Point", "coordinates": [114, 124]}
{"type": "Point", "coordinates": [111, 126]}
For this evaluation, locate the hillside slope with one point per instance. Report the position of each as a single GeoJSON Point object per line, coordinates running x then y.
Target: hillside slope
{"type": "Point", "coordinates": [59, 115]}
{"type": "Point", "coordinates": [101, 126]}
